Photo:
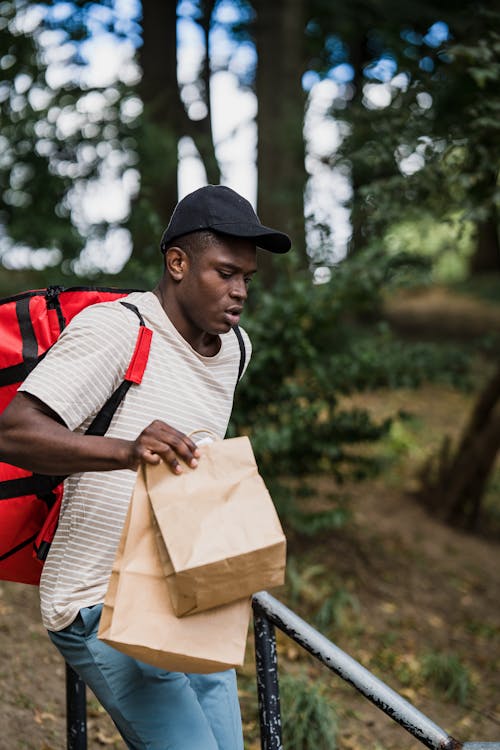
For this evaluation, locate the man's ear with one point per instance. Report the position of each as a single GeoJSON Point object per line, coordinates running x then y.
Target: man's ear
{"type": "Point", "coordinates": [176, 263]}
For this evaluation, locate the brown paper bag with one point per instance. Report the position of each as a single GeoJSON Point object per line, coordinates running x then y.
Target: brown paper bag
{"type": "Point", "coordinates": [138, 618]}
{"type": "Point", "coordinates": [219, 526]}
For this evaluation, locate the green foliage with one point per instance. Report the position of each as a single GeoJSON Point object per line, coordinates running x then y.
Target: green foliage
{"type": "Point", "coordinates": [379, 359]}
{"type": "Point", "coordinates": [304, 582]}
{"type": "Point", "coordinates": [289, 399]}
{"type": "Point", "coordinates": [400, 441]}
{"type": "Point", "coordinates": [433, 145]}
{"type": "Point", "coordinates": [28, 140]}
{"type": "Point", "coordinates": [476, 63]}
{"type": "Point", "coordinates": [447, 673]}
{"type": "Point", "coordinates": [56, 136]}
{"type": "Point", "coordinates": [317, 522]}
{"type": "Point", "coordinates": [312, 588]}
{"type": "Point", "coordinates": [289, 502]}
{"type": "Point", "coordinates": [485, 287]}
{"type": "Point", "coordinates": [309, 348]}
{"type": "Point", "coordinates": [487, 630]}
{"type": "Point", "coordinates": [448, 244]}
{"type": "Point", "coordinates": [309, 718]}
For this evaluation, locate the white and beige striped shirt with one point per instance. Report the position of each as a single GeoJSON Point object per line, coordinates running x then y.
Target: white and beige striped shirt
{"type": "Point", "coordinates": [180, 387]}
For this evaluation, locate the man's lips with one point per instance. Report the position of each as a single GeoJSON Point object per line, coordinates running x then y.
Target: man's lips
{"type": "Point", "coordinates": [233, 314]}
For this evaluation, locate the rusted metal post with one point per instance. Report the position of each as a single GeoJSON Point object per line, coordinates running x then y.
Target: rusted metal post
{"type": "Point", "coordinates": [266, 664]}
{"type": "Point", "coordinates": [76, 711]}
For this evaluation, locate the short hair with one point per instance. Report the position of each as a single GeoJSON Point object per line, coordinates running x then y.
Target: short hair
{"type": "Point", "coordinates": [195, 243]}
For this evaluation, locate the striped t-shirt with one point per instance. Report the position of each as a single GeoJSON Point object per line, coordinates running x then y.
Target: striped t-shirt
{"type": "Point", "coordinates": [181, 387]}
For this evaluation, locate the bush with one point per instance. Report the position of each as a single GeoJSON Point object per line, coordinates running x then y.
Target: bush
{"type": "Point", "coordinates": [288, 402]}
{"type": "Point", "coordinates": [312, 344]}
{"type": "Point", "coordinates": [289, 504]}
{"type": "Point", "coordinates": [309, 720]}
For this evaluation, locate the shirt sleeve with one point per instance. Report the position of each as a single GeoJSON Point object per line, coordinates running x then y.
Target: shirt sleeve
{"type": "Point", "coordinates": [86, 364]}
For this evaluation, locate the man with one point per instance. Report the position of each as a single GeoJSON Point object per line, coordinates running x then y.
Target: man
{"type": "Point", "coordinates": [209, 248]}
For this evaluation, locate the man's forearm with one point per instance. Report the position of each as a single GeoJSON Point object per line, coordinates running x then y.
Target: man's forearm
{"type": "Point", "coordinates": [65, 454]}
{"type": "Point", "coordinates": [35, 441]}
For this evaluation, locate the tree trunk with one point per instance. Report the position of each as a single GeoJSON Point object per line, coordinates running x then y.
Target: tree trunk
{"type": "Point", "coordinates": [160, 128]}
{"type": "Point", "coordinates": [201, 130]}
{"type": "Point", "coordinates": [359, 57]}
{"type": "Point", "coordinates": [164, 122]}
{"type": "Point", "coordinates": [454, 486]}
{"type": "Point", "coordinates": [464, 499]}
{"type": "Point", "coordinates": [487, 254]}
{"type": "Point", "coordinates": [279, 35]}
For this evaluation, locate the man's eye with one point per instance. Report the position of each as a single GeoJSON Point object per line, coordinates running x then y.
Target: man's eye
{"type": "Point", "coordinates": [225, 274]}
{"type": "Point", "coordinates": [248, 280]}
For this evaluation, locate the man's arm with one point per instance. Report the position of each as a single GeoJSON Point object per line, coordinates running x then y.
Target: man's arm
{"type": "Point", "coordinates": [34, 437]}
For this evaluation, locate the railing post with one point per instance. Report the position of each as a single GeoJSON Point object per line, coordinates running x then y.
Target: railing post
{"type": "Point", "coordinates": [266, 664]}
{"type": "Point", "coordinates": [76, 711]}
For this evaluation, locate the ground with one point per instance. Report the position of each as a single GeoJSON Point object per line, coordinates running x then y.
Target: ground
{"type": "Point", "coordinates": [406, 593]}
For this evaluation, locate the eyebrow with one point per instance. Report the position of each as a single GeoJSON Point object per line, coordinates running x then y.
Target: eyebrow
{"type": "Point", "coordinates": [233, 267]}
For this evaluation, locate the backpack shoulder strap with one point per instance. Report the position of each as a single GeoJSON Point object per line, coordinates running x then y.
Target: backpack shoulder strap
{"type": "Point", "coordinates": [243, 354]}
{"type": "Point", "coordinates": [140, 356]}
{"type": "Point", "coordinates": [135, 371]}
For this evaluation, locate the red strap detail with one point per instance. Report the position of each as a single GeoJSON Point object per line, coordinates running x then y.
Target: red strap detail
{"type": "Point", "coordinates": [140, 356]}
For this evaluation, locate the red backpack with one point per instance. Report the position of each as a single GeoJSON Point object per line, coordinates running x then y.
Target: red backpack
{"type": "Point", "coordinates": [30, 323]}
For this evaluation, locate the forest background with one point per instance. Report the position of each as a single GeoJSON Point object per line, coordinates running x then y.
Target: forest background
{"type": "Point", "coordinates": [369, 130]}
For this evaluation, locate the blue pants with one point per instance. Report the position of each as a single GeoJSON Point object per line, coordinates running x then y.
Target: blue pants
{"type": "Point", "coordinates": [153, 709]}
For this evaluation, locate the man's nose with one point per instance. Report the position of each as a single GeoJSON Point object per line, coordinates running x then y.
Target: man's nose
{"type": "Point", "coordinates": [239, 289]}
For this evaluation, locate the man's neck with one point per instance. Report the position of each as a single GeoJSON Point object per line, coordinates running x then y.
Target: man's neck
{"type": "Point", "coordinates": [204, 343]}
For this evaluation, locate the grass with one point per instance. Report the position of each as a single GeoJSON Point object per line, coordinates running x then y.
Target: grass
{"type": "Point", "coordinates": [336, 610]}
{"type": "Point", "coordinates": [447, 673]}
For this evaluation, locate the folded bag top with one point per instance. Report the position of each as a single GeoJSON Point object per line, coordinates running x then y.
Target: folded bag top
{"type": "Point", "coordinates": [219, 527]}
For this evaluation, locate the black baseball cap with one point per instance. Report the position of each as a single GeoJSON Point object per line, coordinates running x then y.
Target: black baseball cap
{"type": "Point", "coordinates": [222, 210]}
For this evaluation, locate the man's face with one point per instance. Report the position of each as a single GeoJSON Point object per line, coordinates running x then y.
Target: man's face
{"type": "Point", "coordinates": [214, 287]}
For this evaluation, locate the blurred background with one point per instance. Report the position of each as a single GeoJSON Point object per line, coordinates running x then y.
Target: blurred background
{"type": "Point", "coordinates": [369, 131]}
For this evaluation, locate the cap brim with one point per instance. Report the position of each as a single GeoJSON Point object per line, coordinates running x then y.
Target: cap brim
{"type": "Point", "coordinates": [275, 242]}
{"type": "Point", "coordinates": [264, 237]}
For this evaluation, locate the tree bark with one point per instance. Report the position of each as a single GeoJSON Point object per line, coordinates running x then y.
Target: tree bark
{"type": "Point", "coordinates": [359, 56]}
{"type": "Point", "coordinates": [486, 257]}
{"type": "Point", "coordinates": [453, 486]}
{"type": "Point", "coordinates": [279, 36]}
{"type": "Point", "coordinates": [165, 121]}
{"type": "Point", "coordinates": [160, 127]}
{"type": "Point", "coordinates": [201, 130]}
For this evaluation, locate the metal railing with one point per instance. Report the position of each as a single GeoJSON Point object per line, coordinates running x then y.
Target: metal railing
{"type": "Point", "coordinates": [269, 613]}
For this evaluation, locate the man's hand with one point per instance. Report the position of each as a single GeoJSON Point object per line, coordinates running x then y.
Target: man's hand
{"type": "Point", "coordinates": [160, 442]}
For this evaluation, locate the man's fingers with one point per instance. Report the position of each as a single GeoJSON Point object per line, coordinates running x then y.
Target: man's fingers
{"type": "Point", "coordinates": [177, 441]}
{"type": "Point", "coordinates": [150, 458]}
{"type": "Point", "coordinates": [159, 441]}
{"type": "Point", "coordinates": [157, 451]}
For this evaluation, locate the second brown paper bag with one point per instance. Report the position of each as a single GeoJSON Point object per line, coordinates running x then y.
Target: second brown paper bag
{"type": "Point", "coordinates": [219, 526]}
{"type": "Point", "coordinates": [138, 618]}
